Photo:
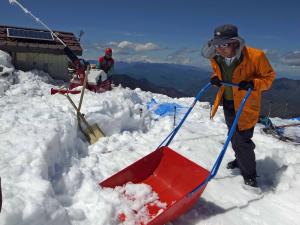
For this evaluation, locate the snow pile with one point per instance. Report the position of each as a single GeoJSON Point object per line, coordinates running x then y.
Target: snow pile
{"type": "Point", "coordinates": [50, 175]}
{"type": "Point", "coordinates": [6, 72]}
{"type": "Point", "coordinates": [5, 62]}
{"type": "Point", "coordinates": [40, 142]}
{"type": "Point", "coordinates": [130, 202]}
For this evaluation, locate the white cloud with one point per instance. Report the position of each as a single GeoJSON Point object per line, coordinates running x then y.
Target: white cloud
{"type": "Point", "coordinates": [286, 64]}
{"type": "Point", "coordinates": [122, 47]}
{"type": "Point", "coordinates": [137, 47]}
{"type": "Point", "coordinates": [181, 56]}
{"type": "Point", "coordinates": [292, 58]}
{"type": "Point", "coordinates": [138, 58]}
{"type": "Point", "coordinates": [128, 46]}
{"type": "Point", "coordinates": [188, 56]}
{"type": "Point", "coordinates": [287, 59]}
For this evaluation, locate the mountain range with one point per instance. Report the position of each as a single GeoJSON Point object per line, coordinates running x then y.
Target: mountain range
{"type": "Point", "coordinates": [174, 80]}
{"type": "Point", "coordinates": [181, 77]}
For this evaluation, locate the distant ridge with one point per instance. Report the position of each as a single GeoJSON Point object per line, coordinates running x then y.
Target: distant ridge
{"type": "Point", "coordinates": [283, 99]}
{"type": "Point", "coordinates": [145, 85]}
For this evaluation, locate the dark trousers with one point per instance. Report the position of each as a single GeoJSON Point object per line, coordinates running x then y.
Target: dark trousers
{"type": "Point", "coordinates": [241, 143]}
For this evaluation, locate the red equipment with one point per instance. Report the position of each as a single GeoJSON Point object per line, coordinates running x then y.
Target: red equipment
{"type": "Point", "coordinates": [172, 176]}
{"type": "Point", "coordinates": [80, 67]}
{"type": "Point", "coordinates": [63, 91]}
{"type": "Point", "coordinates": [98, 88]}
{"type": "Point", "coordinates": [78, 80]}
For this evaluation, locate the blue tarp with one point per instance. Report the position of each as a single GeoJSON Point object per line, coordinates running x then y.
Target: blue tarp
{"type": "Point", "coordinates": [297, 118]}
{"type": "Point", "coordinates": [163, 109]}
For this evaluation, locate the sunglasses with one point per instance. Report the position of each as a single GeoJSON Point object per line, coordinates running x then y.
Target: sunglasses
{"type": "Point", "coordinates": [222, 45]}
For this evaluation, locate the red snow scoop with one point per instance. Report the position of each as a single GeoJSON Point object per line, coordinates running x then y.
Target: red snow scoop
{"type": "Point", "coordinates": [178, 181]}
{"type": "Point", "coordinates": [171, 176]}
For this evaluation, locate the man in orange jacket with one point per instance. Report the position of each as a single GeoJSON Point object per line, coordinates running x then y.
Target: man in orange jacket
{"type": "Point", "coordinates": [232, 61]}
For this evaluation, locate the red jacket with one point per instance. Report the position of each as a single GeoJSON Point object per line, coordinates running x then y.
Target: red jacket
{"type": "Point", "coordinates": [107, 65]}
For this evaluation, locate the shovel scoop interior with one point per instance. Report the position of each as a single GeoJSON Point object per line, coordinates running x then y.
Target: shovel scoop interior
{"type": "Point", "coordinates": [170, 175]}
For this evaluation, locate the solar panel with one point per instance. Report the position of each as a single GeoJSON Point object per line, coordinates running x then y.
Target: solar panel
{"type": "Point", "coordinates": [29, 34]}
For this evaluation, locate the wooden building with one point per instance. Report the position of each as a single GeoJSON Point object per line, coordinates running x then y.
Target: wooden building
{"type": "Point", "coordinates": [37, 49]}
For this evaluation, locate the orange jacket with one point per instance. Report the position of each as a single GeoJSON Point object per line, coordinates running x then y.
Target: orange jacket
{"type": "Point", "coordinates": [254, 66]}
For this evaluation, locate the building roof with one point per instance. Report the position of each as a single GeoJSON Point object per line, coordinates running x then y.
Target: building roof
{"type": "Point", "coordinates": [13, 44]}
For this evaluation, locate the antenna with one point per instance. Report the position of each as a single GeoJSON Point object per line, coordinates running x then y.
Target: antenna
{"type": "Point", "coordinates": [81, 33]}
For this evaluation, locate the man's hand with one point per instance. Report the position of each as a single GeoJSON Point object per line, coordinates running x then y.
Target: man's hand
{"type": "Point", "coordinates": [215, 81]}
{"type": "Point", "coordinates": [245, 85]}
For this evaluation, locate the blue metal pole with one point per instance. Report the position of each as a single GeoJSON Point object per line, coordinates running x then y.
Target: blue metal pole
{"type": "Point", "coordinates": [198, 96]}
{"type": "Point", "coordinates": [231, 132]}
{"type": "Point", "coordinates": [222, 153]}
{"type": "Point", "coordinates": [174, 131]}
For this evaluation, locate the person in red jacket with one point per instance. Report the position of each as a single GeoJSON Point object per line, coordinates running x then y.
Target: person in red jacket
{"type": "Point", "coordinates": [106, 62]}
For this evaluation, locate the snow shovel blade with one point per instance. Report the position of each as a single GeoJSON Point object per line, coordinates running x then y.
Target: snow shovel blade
{"type": "Point", "coordinates": [171, 176]}
{"type": "Point", "coordinates": [93, 133]}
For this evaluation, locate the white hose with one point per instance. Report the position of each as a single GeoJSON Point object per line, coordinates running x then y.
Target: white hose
{"type": "Point", "coordinates": [36, 19]}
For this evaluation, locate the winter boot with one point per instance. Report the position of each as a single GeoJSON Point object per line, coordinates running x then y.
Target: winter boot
{"type": "Point", "coordinates": [232, 165]}
{"type": "Point", "coordinates": [251, 182]}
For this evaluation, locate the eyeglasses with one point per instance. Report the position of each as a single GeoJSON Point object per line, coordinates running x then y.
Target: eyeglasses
{"type": "Point", "coordinates": [222, 45]}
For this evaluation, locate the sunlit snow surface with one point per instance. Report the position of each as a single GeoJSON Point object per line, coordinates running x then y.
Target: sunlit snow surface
{"type": "Point", "coordinates": [50, 175]}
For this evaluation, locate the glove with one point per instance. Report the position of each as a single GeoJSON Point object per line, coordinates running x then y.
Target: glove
{"type": "Point", "coordinates": [245, 85]}
{"type": "Point", "coordinates": [215, 81]}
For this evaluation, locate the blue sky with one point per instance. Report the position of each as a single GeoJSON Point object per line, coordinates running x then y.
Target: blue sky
{"type": "Point", "coordinates": [169, 31]}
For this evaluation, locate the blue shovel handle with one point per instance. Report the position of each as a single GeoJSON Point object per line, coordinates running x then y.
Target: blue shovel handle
{"type": "Point", "coordinates": [170, 137]}
{"type": "Point", "coordinates": [218, 162]}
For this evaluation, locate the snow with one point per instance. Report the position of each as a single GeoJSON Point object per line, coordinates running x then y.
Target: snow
{"type": "Point", "coordinates": [50, 174]}
{"type": "Point", "coordinates": [6, 69]}
{"type": "Point", "coordinates": [131, 201]}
